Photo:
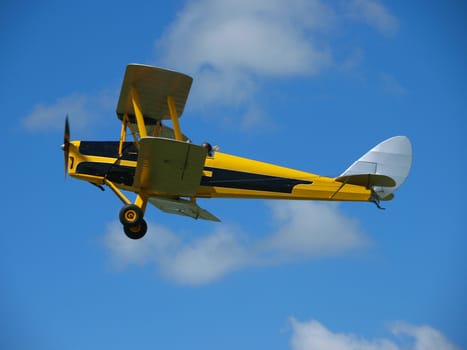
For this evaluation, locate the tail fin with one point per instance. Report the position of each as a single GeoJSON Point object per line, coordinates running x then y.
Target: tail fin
{"type": "Point", "coordinates": [383, 169]}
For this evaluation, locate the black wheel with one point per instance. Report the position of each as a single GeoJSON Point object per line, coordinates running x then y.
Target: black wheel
{"type": "Point", "coordinates": [136, 232]}
{"type": "Point", "coordinates": [131, 215]}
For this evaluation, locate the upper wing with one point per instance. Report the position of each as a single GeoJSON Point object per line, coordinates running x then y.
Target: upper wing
{"type": "Point", "coordinates": [153, 86]}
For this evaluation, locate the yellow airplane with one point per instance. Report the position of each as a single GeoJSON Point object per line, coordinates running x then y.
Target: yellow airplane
{"type": "Point", "coordinates": [162, 167]}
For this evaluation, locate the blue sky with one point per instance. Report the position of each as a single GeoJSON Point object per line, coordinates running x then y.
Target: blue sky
{"type": "Point", "coordinates": [306, 84]}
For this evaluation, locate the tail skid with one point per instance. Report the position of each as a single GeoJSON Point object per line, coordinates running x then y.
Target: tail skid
{"type": "Point", "coordinates": [383, 169]}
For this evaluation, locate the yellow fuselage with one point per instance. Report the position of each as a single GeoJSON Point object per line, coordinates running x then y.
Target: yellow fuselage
{"type": "Point", "coordinates": [224, 176]}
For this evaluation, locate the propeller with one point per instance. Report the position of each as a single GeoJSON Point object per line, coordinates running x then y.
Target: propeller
{"type": "Point", "coordinates": [66, 144]}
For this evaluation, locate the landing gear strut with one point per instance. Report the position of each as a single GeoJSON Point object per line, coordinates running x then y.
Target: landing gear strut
{"type": "Point", "coordinates": [131, 217]}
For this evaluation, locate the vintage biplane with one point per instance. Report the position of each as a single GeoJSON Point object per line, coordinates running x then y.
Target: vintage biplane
{"type": "Point", "coordinates": [162, 167]}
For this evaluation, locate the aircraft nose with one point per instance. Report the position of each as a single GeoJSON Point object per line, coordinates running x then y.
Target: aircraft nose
{"type": "Point", "coordinates": [62, 147]}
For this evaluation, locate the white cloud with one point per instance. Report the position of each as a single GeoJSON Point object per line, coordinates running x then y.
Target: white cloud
{"type": "Point", "coordinates": [158, 243]}
{"type": "Point", "coordinates": [303, 230]}
{"type": "Point", "coordinates": [313, 335]}
{"type": "Point", "coordinates": [425, 337]}
{"type": "Point", "coordinates": [82, 110]}
{"type": "Point", "coordinates": [266, 37]}
{"type": "Point", "coordinates": [231, 46]}
{"type": "Point", "coordinates": [52, 116]}
{"type": "Point", "coordinates": [310, 228]}
{"type": "Point", "coordinates": [206, 258]}
{"type": "Point", "coordinates": [194, 262]}
{"type": "Point", "coordinates": [374, 14]}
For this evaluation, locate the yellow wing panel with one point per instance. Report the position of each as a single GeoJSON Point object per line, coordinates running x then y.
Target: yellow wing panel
{"type": "Point", "coordinates": [153, 86]}
{"type": "Point", "coordinates": [169, 167]}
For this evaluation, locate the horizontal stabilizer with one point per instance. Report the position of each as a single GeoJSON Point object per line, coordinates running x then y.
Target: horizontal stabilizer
{"type": "Point", "coordinates": [384, 168]}
{"type": "Point", "coordinates": [367, 180]}
{"type": "Point", "coordinates": [182, 207]}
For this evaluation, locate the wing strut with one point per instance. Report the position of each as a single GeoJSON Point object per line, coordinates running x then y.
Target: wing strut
{"type": "Point", "coordinates": [139, 122]}
{"type": "Point", "coordinates": [174, 117]}
{"type": "Point", "coordinates": [140, 200]}
{"type": "Point", "coordinates": [119, 193]}
{"type": "Point", "coordinates": [138, 113]}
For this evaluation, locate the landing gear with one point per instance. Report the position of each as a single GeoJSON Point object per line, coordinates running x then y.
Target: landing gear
{"type": "Point", "coordinates": [131, 217]}
{"type": "Point", "coordinates": [136, 232]}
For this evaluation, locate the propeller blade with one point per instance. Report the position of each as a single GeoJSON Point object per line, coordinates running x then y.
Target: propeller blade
{"type": "Point", "coordinates": [66, 144]}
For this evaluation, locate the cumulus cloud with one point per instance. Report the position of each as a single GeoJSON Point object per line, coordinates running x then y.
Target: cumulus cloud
{"type": "Point", "coordinates": [310, 228]}
{"type": "Point", "coordinates": [424, 337]}
{"type": "Point", "coordinates": [302, 230]}
{"type": "Point", "coordinates": [313, 335]}
{"type": "Point", "coordinates": [51, 116]}
{"type": "Point", "coordinates": [194, 262]}
{"type": "Point", "coordinates": [206, 258]}
{"type": "Point", "coordinates": [269, 37]}
{"type": "Point", "coordinates": [83, 109]}
{"type": "Point", "coordinates": [230, 46]}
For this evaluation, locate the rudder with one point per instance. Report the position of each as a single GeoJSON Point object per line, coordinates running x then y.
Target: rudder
{"type": "Point", "coordinates": [383, 169]}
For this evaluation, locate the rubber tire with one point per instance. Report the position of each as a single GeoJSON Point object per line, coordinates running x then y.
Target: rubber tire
{"type": "Point", "coordinates": [130, 215]}
{"type": "Point", "coordinates": [136, 232]}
